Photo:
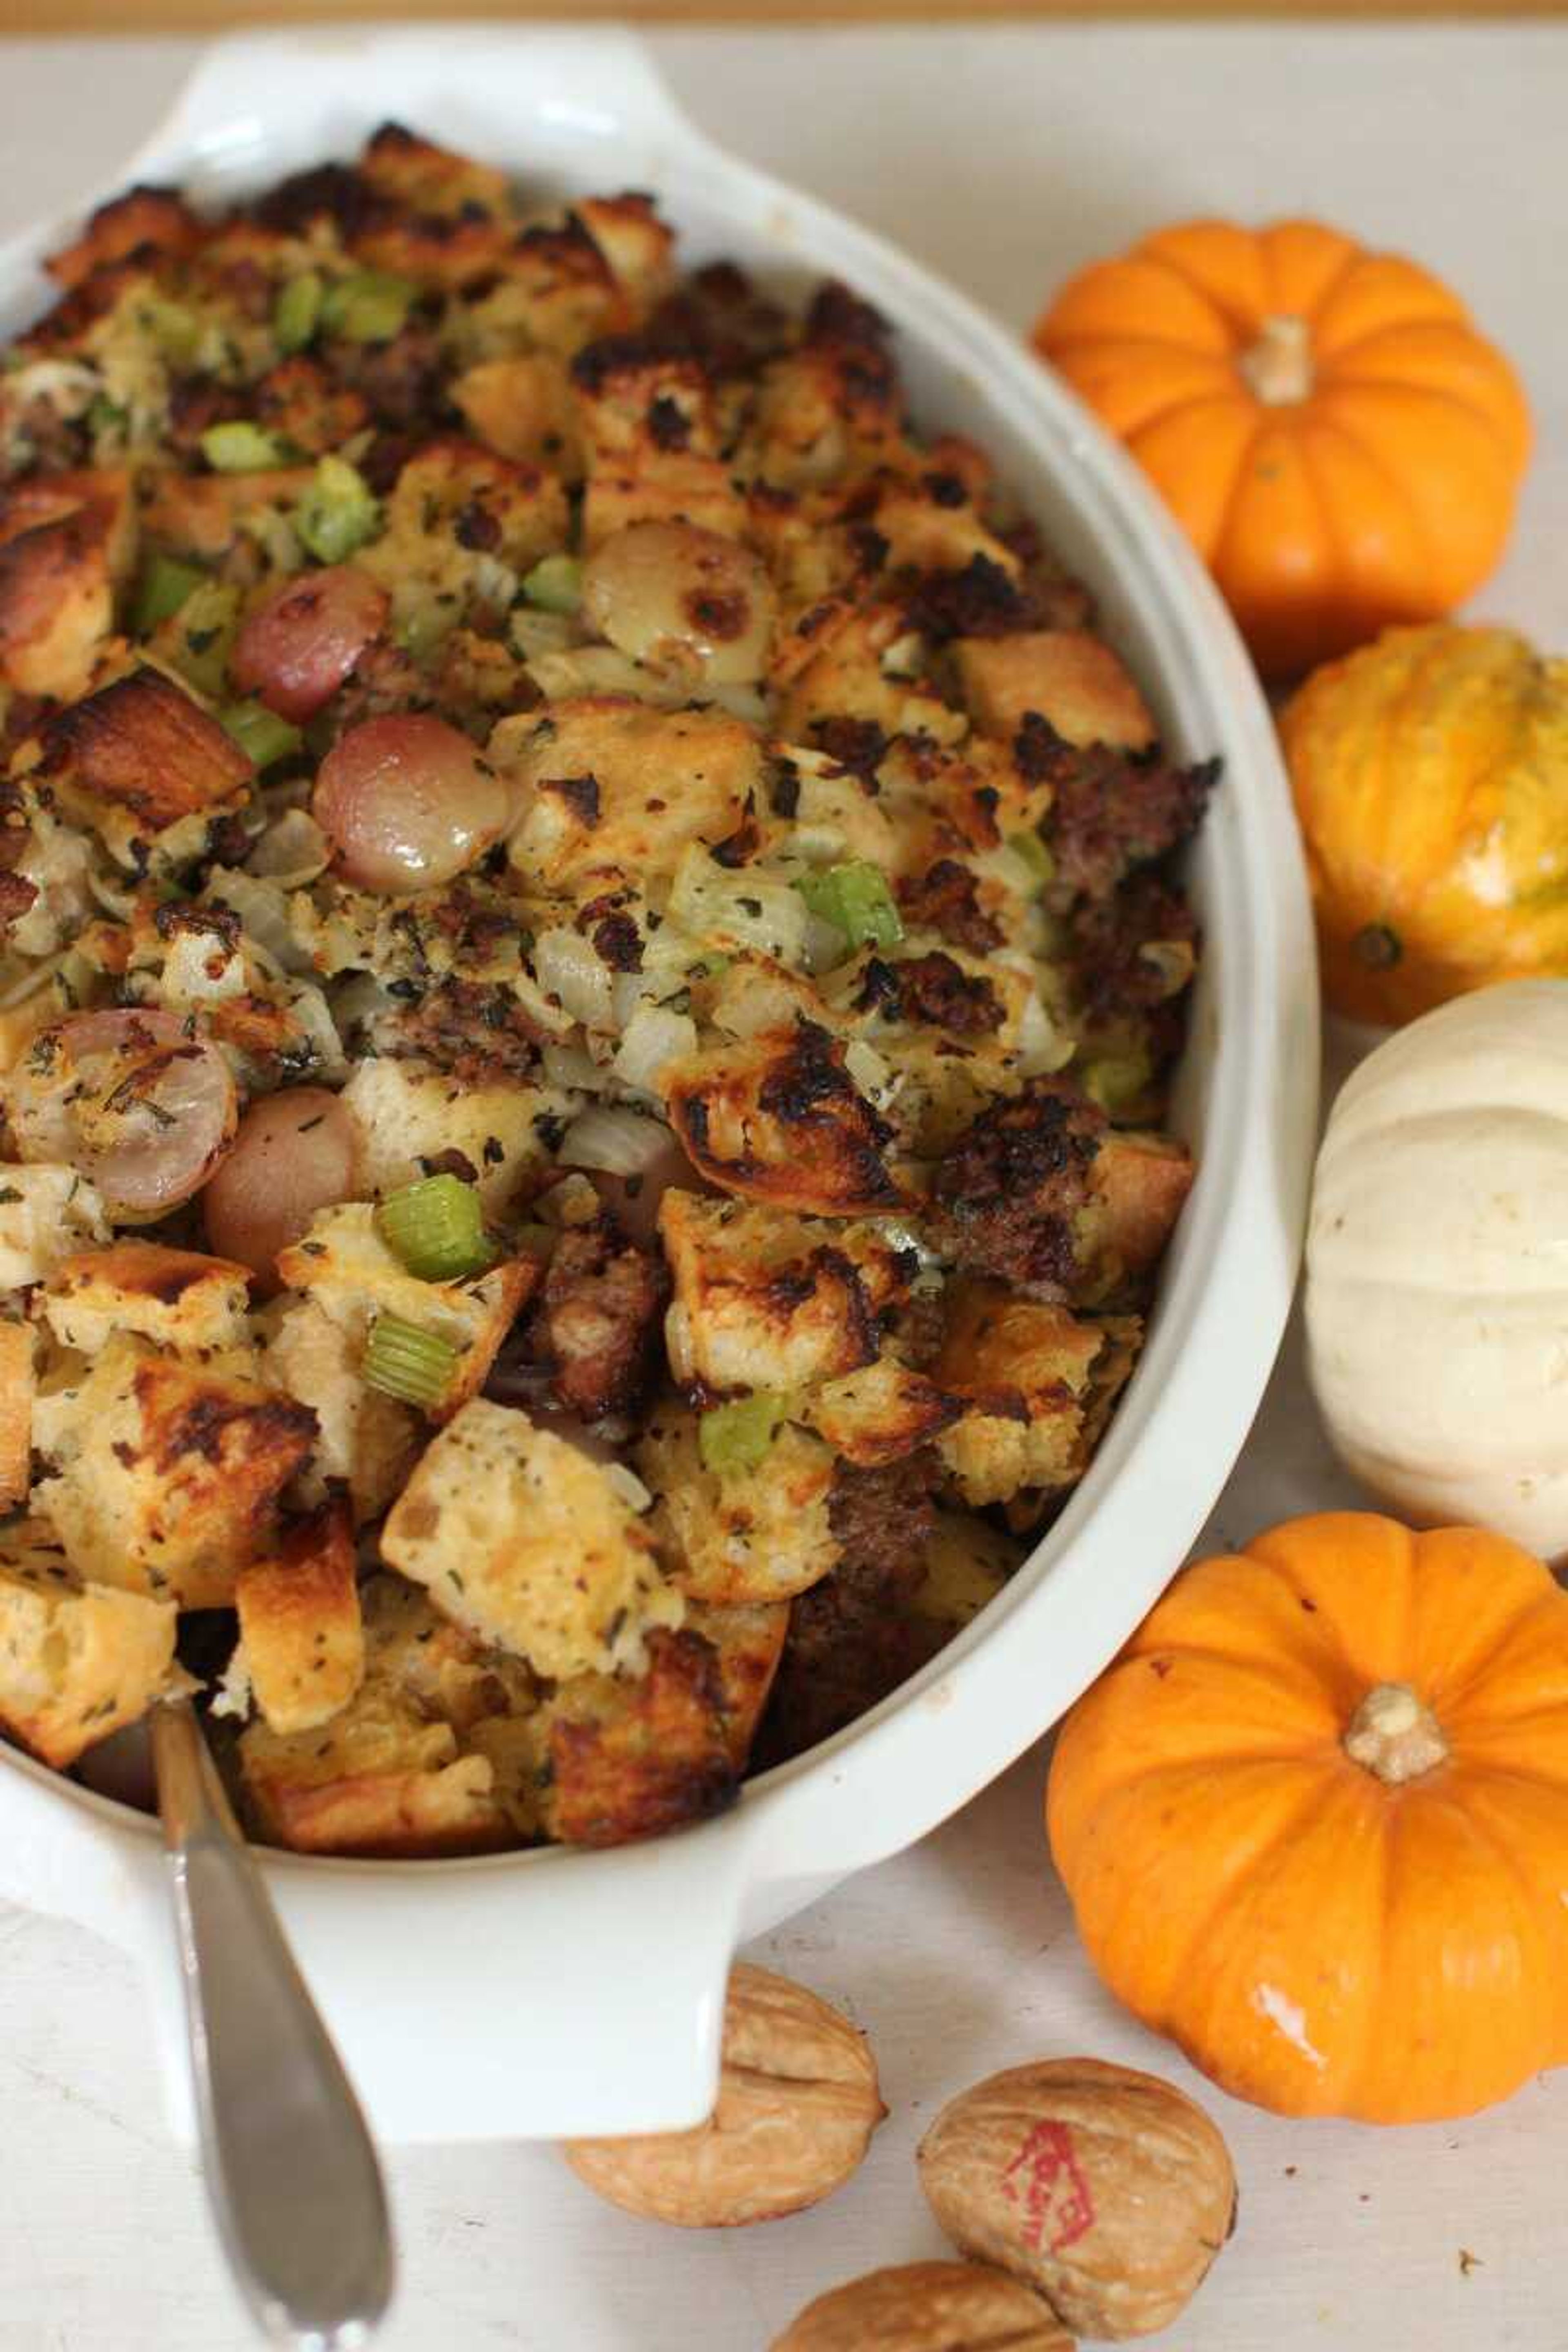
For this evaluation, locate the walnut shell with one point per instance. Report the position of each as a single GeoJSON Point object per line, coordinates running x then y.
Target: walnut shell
{"type": "Point", "coordinates": [927, 2307]}
{"type": "Point", "coordinates": [797, 2104]}
{"type": "Point", "coordinates": [1106, 2189]}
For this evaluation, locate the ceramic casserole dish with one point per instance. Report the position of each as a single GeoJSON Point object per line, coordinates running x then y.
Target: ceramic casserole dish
{"type": "Point", "coordinates": [555, 1992]}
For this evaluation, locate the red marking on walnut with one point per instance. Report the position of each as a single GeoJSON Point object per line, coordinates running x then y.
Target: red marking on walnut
{"type": "Point", "coordinates": [1045, 2178]}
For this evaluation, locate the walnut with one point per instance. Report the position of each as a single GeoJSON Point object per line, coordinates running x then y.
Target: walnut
{"type": "Point", "coordinates": [797, 2104]}
{"type": "Point", "coordinates": [1108, 2191]}
{"type": "Point", "coordinates": [927, 2307]}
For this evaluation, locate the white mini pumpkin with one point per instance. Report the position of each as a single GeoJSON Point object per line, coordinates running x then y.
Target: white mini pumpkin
{"type": "Point", "coordinates": [1438, 1268]}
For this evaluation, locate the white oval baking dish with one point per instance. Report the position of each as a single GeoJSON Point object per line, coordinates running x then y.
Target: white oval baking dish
{"type": "Point", "coordinates": [555, 1992]}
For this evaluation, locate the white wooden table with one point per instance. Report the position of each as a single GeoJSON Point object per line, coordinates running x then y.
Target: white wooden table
{"type": "Point", "coordinates": [1003, 157]}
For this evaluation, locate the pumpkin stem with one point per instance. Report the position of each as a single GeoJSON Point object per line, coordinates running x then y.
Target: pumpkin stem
{"type": "Point", "coordinates": [1395, 1735]}
{"type": "Point", "coordinates": [1279, 366]}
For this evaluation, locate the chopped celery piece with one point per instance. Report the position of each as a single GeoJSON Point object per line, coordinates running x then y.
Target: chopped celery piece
{"type": "Point", "coordinates": [857, 900]}
{"type": "Point", "coordinates": [337, 513]}
{"type": "Point", "coordinates": [297, 312]}
{"type": "Point", "coordinates": [402, 1360]}
{"type": "Point", "coordinates": [437, 1229]}
{"type": "Point", "coordinates": [368, 308]}
{"type": "Point", "coordinates": [1031, 852]}
{"type": "Point", "coordinates": [208, 620]}
{"type": "Point", "coordinates": [737, 1437]}
{"type": "Point", "coordinates": [176, 329]}
{"type": "Point", "coordinates": [554, 584]}
{"type": "Point", "coordinates": [106, 415]}
{"type": "Point", "coordinates": [1117, 1081]}
{"type": "Point", "coordinates": [242, 447]}
{"type": "Point", "coordinates": [261, 735]}
{"type": "Point", "coordinates": [166, 585]}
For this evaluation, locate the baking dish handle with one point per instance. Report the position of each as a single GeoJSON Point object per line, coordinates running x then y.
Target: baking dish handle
{"type": "Point", "coordinates": [599, 83]}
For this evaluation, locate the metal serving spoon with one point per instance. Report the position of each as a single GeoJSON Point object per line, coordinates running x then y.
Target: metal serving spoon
{"type": "Point", "coordinates": [294, 2179]}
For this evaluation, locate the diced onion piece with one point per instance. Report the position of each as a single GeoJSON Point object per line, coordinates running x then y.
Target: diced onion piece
{"type": "Point", "coordinates": [735, 1438]}
{"type": "Point", "coordinates": [435, 1227]}
{"type": "Point", "coordinates": [295, 1152]}
{"type": "Point", "coordinates": [874, 1076]}
{"type": "Point", "coordinates": [568, 966]}
{"type": "Point", "coordinates": [738, 910]}
{"type": "Point", "coordinates": [653, 1038]}
{"type": "Point", "coordinates": [628, 1486]}
{"type": "Point", "coordinates": [408, 803]}
{"type": "Point", "coordinates": [404, 1361]}
{"type": "Point", "coordinates": [290, 852]}
{"type": "Point", "coordinates": [296, 649]}
{"type": "Point", "coordinates": [569, 1065]}
{"type": "Point", "coordinates": [683, 599]}
{"type": "Point", "coordinates": [1042, 1046]}
{"type": "Point", "coordinates": [134, 1101]}
{"type": "Point", "coordinates": [618, 1141]}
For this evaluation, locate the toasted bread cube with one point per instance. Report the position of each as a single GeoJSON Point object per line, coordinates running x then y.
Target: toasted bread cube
{"type": "Point", "coordinates": [77, 1662]}
{"type": "Point", "coordinates": [143, 220]}
{"type": "Point", "coordinates": [826, 414]}
{"type": "Point", "coordinates": [848, 679]}
{"type": "Point", "coordinates": [677, 487]}
{"type": "Point", "coordinates": [630, 1758]}
{"type": "Point", "coordinates": [967, 1562]}
{"type": "Point", "coordinates": [751, 1535]}
{"type": "Point", "coordinates": [925, 534]}
{"type": "Point", "coordinates": [407, 1112]}
{"type": "Point", "coordinates": [522, 408]}
{"type": "Point", "coordinates": [143, 745]}
{"type": "Point", "coordinates": [1039, 1384]}
{"type": "Point", "coordinates": [749, 1644]}
{"type": "Point", "coordinates": [168, 1473]}
{"type": "Point", "coordinates": [391, 1773]}
{"type": "Point", "coordinates": [178, 1298]}
{"type": "Point", "coordinates": [525, 1542]}
{"type": "Point", "coordinates": [460, 524]}
{"type": "Point", "coordinates": [1140, 1184]}
{"type": "Point", "coordinates": [300, 1624]}
{"type": "Point", "coordinates": [67, 541]}
{"type": "Point", "coordinates": [610, 787]}
{"type": "Point", "coordinates": [17, 1385]}
{"type": "Point", "coordinates": [634, 241]}
{"type": "Point", "coordinates": [767, 1301]}
{"type": "Point", "coordinates": [1068, 677]}
{"type": "Point", "coordinates": [778, 1119]}
{"type": "Point", "coordinates": [881, 1413]}
{"type": "Point", "coordinates": [345, 1266]}
{"type": "Point", "coordinates": [364, 1440]}
{"type": "Point", "coordinates": [204, 514]}
{"type": "Point", "coordinates": [416, 1798]}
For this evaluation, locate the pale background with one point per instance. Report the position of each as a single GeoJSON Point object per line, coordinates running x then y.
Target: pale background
{"type": "Point", "coordinates": [1002, 157]}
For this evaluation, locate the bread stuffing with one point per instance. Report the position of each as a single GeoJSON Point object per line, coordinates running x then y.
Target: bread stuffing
{"type": "Point", "coordinates": [592, 953]}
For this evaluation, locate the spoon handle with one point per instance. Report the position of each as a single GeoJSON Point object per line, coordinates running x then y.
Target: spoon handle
{"type": "Point", "coordinates": [291, 2173]}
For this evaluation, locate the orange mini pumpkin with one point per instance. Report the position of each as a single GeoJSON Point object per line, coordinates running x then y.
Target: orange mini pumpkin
{"type": "Point", "coordinates": [1341, 445]}
{"type": "Point", "coordinates": [1314, 1820]}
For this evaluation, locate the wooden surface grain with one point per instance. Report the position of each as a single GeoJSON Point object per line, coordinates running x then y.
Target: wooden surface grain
{"type": "Point", "coordinates": [1003, 157]}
